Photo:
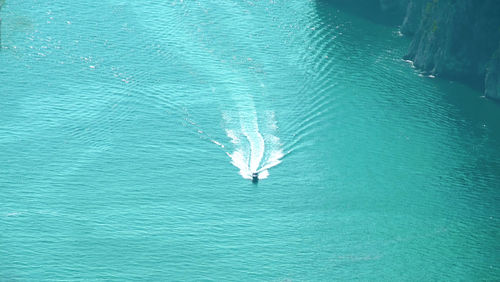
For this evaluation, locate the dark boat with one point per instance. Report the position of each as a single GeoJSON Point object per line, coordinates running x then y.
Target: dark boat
{"type": "Point", "coordinates": [255, 177]}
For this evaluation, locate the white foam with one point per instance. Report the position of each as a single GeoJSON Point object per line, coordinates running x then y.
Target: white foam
{"type": "Point", "coordinates": [256, 149]}
{"type": "Point", "coordinates": [234, 139]}
{"type": "Point", "coordinates": [217, 143]}
{"type": "Point", "coordinates": [239, 160]}
{"type": "Point", "coordinates": [250, 128]}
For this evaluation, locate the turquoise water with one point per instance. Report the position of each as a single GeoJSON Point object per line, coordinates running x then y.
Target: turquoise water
{"type": "Point", "coordinates": [128, 131]}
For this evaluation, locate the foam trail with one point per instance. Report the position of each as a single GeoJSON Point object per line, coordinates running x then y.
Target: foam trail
{"type": "Point", "coordinates": [274, 160]}
{"type": "Point", "coordinates": [250, 128]}
{"type": "Point", "coordinates": [254, 150]}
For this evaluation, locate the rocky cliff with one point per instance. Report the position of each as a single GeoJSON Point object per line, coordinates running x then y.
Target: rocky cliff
{"type": "Point", "coordinates": [457, 39]}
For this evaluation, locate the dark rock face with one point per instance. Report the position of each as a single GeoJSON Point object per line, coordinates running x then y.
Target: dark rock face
{"type": "Point", "coordinates": [455, 38]}
{"type": "Point", "coordinates": [413, 17]}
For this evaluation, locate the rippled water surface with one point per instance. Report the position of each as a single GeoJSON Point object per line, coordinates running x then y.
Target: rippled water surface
{"type": "Point", "coordinates": [129, 129]}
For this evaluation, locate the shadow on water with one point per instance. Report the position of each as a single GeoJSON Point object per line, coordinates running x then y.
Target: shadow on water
{"type": "Point", "coordinates": [459, 106]}
{"type": "Point", "coordinates": [481, 114]}
{"type": "Point", "coordinates": [467, 96]}
{"type": "Point", "coordinates": [369, 9]}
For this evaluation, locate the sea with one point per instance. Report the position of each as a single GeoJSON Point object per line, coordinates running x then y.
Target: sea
{"type": "Point", "coordinates": [129, 131]}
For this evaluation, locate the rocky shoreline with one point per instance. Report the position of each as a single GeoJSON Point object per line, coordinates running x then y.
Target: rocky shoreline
{"type": "Point", "coordinates": [456, 39]}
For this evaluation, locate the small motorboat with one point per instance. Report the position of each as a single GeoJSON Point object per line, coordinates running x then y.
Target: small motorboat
{"type": "Point", "coordinates": [255, 177]}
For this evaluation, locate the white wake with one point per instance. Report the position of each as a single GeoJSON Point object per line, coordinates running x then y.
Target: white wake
{"type": "Point", "coordinates": [256, 148]}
